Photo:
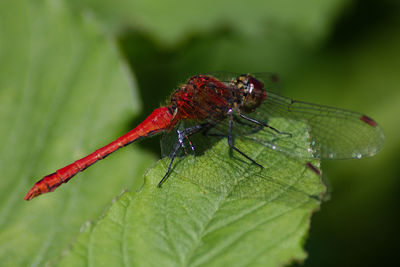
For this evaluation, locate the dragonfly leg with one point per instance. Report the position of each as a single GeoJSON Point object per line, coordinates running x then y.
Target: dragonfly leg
{"type": "Point", "coordinates": [264, 125]}
{"type": "Point", "coordinates": [232, 145]}
{"type": "Point", "coordinates": [182, 135]}
{"type": "Point", "coordinates": [255, 127]}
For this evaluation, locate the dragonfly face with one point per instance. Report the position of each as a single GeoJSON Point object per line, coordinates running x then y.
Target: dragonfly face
{"type": "Point", "coordinates": [251, 90]}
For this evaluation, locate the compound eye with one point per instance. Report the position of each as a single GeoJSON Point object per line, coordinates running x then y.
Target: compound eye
{"type": "Point", "coordinates": [242, 83]}
{"type": "Point", "coordinates": [250, 88]}
{"type": "Point", "coordinates": [254, 84]}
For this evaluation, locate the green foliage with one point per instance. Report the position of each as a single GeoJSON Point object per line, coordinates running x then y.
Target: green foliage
{"type": "Point", "coordinates": [169, 22]}
{"type": "Point", "coordinates": [68, 85]}
{"type": "Point", "coordinates": [258, 218]}
{"type": "Point", "coordinates": [62, 90]}
{"type": "Point", "coordinates": [62, 87]}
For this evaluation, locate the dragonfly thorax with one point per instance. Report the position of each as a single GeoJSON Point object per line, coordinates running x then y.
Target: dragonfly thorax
{"type": "Point", "coordinates": [203, 97]}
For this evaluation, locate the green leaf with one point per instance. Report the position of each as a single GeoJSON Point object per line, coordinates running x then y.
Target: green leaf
{"type": "Point", "coordinates": [64, 91]}
{"type": "Point", "coordinates": [213, 210]}
{"type": "Point", "coordinates": [170, 22]}
{"type": "Point", "coordinates": [63, 94]}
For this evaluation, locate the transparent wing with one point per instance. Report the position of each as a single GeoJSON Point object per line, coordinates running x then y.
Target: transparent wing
{"type": "Point", "coordinates": [334, 133]}
{"type": "Point", "coordinates": [212, 166]}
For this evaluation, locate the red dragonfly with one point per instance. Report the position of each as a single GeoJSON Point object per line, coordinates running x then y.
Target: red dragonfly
{"type": "Point", "coordinates": [225, 100]}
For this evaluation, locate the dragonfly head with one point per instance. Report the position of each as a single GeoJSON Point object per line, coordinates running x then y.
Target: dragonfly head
{"type": "Point", "coordinates": [252, 92]}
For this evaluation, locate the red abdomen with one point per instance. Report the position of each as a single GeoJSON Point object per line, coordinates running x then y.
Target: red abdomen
{"type": "Point", "coordinates": [158, 121]}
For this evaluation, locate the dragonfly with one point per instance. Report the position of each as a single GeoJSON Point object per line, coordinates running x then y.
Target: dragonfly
{"type": "Point", "coordinates": [228, 105]}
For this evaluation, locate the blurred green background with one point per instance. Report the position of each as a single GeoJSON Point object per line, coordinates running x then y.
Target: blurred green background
{"type": "Point", "coordinates": [343, 53]}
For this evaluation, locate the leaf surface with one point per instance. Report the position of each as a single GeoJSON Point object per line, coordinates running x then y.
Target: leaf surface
{"type": "Point", "coordinates": [259, 218]}
{"type": "Point", "coordinates": [63, 94]}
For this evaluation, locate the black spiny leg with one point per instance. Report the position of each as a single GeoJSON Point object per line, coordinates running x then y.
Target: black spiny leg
{"type": "Point", "coordinates": [182, 135]}
{"type": "Point", "coordinates": [232, 145]}
{"type": "Point", "coordinates": [264, 125]}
